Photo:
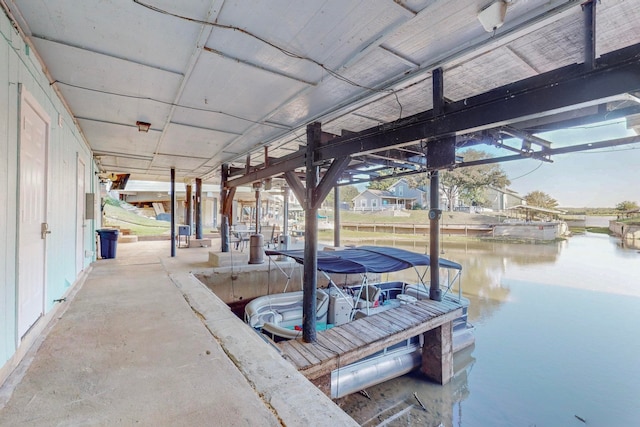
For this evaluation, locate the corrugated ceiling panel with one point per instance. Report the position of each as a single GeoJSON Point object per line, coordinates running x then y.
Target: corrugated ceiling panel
{"type": "Point", "coordinates": [128, 164]}
{"type": "Point", "coordinates": [375, 68]}
{"type": "Point", "coordinates": [211, 119]}
{"type": "Point", "coordinates": [111, 138]}
{"type": "Point", "coordinates": [328, 32]}
{"type": "Point", "coordinates": [190, 141]}
{"type": "Point", "coordinates": [183, 163]}
{"type": "Point", "coordinates": [617, 25]}
{"type": "Point", "coordinates": [240, 45]}
{"type": "Point", "coordinates": [494, 69]}
{"type": "Point", "coordinates": [553, 46]}
{"type": "Point", "coordinates": [316, 102]}
{"type": "Point", "coordinates": [223, 85]}
{"type": "Point", "coordinates": [442, 26]}
{"type": "Point", "coordinates": [121, 29]}
{"type": "Point", "coordinates": [115, 109]}
{"type": "Point", "coordinates": [105, 73]}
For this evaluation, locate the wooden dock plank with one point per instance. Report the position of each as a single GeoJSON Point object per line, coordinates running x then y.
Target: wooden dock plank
{"type": "Point", "coordinates": [373, 331]}
{"type": "Point", "coordinates": [355, 340]}
{"type": "Point", "coordinates": [364, 331]}
{"type": "Point", "coordinates": [385, 323]}
{"type": "Point", "coordinates": [404, 317]}
{"type": "Point", "coordinates": [394, 322]}
{"type": "Point", "coordinates": [324, 340]}
{"type": "Point", "coordinates": [354, 329]}
{"type": "Point", "coordinates": [294, 356]}
{"type": "Point", "coordinates": [420, 311]}
{"type": "Point", "coordinates": [347, 334]}
{"type": "Point", "coordinates": [320, 350]}
{"type": "Point", "coordinates": [299, 346]}
{"type": "Point", "coordinates": [433, 306]}
{"type": "Point", "coordinates": [338, 339]}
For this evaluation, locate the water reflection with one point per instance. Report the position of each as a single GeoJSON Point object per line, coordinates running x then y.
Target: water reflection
{"type": "Point", "coordinates": [555, 324]}
{"type": "Point", "coordinates": [401, 401]}
{"type": "Point", "coordinates": [483, 266]}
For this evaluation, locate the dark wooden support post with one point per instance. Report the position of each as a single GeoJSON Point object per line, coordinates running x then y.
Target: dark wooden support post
{"type": "Point", "coordinates": [434, 194]}
{"type": "Point", "coordinates": [336, 216]}
{"type": "Point", "coordinates": [310, 279]}
{"type": "Point", "coordinates": [226, 208]}
{"type": "Point", "coordinates": [173, 212]}
{"type": "Point", "coordinates": [296, 186]}
{"type": "Point", "coordinates": [437, 354]}
{"type": "Point", "coordinates": [188, 210]}
{"type": "Point", "coordinates": [198, 208]}
{"type": "Point", "coordinates": [434, 236]}
{"type": "Point", "coordinates": [589, 9]}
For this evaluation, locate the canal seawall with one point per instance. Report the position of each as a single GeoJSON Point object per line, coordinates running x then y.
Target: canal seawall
{"type": "Point", "coordinates": [625, 231]}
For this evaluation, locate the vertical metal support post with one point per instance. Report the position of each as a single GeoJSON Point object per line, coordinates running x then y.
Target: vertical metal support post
{"type": "Point", "coordinates": [198, 208]}
{"type": "Point", "coordinates": [188, 210]}
{"type": "Point", "coordinates": [285, 218]}
{"type": "Point", "coordinates": [336, 216]}
{"type": "Point", "coordinates": [224, 234]}
{"type": "Point", "coordinates": [434, 197]}
{"type": "Point", "coordinates": [173, 212]}
{"type": "Point", "coordinates": [437, 82]}
{"type": "Point", "coordinates": [589, 9]}
{"type": "Point", "coordinates": [434, 237]}
{"type": "Point", "coordinates": [257, 212]}
{"type": "Point", "coordinates": [310, 279]}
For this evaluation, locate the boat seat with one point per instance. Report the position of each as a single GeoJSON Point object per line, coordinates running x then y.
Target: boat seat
{"type": "Point", "coordinates": [322, 304]}
{"type": "Point", "coordinates": [369, 296]}
{"type": "Point", "coordinates": [293, 314]}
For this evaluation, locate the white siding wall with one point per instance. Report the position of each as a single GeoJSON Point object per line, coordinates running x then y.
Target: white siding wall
{"type": "Point", "coordinates": [19, 65]}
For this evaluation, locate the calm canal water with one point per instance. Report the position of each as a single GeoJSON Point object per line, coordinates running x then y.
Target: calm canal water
{"type": "Point", "coordinates": [557, 338]}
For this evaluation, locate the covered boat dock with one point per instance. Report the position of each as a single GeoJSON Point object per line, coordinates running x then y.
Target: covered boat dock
{"type": "Point", "coordinates": [353, 341]}
{"type": "Point", "coordinates": [318, 95]}
{"type": "Point", "coordinates": [363, 337]}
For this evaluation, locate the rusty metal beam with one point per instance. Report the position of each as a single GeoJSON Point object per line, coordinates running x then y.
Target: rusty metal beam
{"type": "Point", "coordinates": [329, 180]}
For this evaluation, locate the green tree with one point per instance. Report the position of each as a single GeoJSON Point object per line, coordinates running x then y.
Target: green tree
{"type": "Point", "coordinates": [347, 194]}
{"type": "Point", "coordinates": [382, 184]}
{"type": "Point", "coordinates": [541, 200]}
{"type": "Point", "coordinates": [627, 206]}
{"type": "Point", "coordinates": [470, 183]}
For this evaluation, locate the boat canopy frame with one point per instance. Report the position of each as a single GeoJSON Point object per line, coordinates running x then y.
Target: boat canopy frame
{"type": "Point", "coordinates": [372, 259]}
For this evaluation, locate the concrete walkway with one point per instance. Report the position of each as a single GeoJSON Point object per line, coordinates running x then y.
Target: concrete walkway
{"type": "Point", "coordinates": [144, 343]}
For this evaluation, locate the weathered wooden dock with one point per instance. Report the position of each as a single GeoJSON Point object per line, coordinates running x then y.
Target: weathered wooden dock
{"type": "Point", "coordinates": [353, 341]}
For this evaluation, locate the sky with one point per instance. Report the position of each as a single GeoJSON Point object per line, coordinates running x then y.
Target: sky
{"type": "Point", "coordinates": [595, 178]}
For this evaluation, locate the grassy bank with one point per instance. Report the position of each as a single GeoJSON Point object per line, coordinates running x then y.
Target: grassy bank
{"type": "Point", "coordinates": [116, 216]}
{"type": "Point", "coordinates": [414, 217]}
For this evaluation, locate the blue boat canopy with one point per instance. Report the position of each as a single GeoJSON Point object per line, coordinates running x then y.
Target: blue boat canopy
{"type": "Point", "coordinates": [366, 259]}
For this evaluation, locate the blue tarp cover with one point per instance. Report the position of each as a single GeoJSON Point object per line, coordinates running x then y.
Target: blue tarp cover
{"type": "Point", "coordinates": [366, 259]}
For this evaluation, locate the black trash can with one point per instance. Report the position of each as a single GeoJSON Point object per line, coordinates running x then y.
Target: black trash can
{"type": "Point", "coordinates": [108, 242]}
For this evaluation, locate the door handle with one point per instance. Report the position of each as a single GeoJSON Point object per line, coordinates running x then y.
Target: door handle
{"type": "Point", "coordinates": [44, 230]}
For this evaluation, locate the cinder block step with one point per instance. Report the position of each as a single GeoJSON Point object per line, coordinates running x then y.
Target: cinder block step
{"type": "Point", "coordinates": [130, 238]}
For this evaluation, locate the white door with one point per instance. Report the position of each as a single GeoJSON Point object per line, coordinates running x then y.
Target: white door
{"type": "Point", "coordinates": [80, 216]}
{"type": "Point", "coordinates": [34, 135]}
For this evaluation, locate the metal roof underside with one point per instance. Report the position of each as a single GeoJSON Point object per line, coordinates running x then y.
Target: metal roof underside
{"type": "Point", "coordinates": [220, 80]}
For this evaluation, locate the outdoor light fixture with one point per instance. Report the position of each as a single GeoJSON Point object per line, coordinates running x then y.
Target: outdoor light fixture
{"type": "Point", "coordinates": [143, 126]}
{"type": "Point", "coordinates": [492, 16]}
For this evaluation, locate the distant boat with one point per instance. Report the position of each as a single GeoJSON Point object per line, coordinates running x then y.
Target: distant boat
{"type": "Point", "coordinates": [279, 316]}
